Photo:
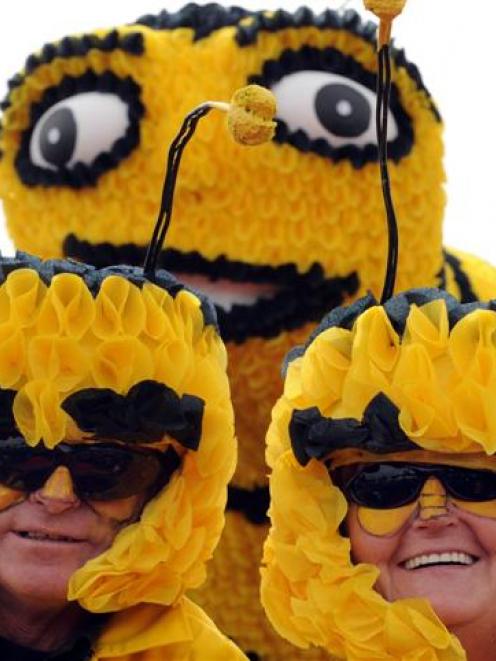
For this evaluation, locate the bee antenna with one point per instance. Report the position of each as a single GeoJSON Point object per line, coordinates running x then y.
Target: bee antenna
{"type": "Point", "coordinates": [382, 111]}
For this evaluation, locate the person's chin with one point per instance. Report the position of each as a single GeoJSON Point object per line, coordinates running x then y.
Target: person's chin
{"type": "Point", "coordinates": [42, 568]}
{"type": "Point", "coordinates": [456, 592]}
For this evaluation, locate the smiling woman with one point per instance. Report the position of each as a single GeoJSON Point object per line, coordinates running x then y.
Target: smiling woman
{"type": "Point", "coordinates": [383, 485]}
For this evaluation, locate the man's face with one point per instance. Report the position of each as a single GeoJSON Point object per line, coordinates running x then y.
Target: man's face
{"type": "Point", "coordinates": [48, 536]}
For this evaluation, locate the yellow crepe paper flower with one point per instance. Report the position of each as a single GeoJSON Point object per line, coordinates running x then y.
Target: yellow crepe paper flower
{"type": "Point", "coordinates": [38, 414]}
{"type": "Point", "coordinates": [58, 359]}
{"type": "Point", "coordinates": [67, 309]}
{"type": "Point", "coordinates": [119, 309]}
{"type": "Point", "coordinates": [12, 355]}
{"type": "Point", "coordinates": [20, 297]}
{"type": "Point", "coordinates": [119, 363]}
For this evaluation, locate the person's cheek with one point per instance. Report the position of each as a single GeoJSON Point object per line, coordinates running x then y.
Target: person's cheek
{"type": "Point", "coordinates": [9, 497]}
{"type": "Point", "coordinates": [124, 510]}
{"type": "Point", "coordinates": [482, 525]}
{"type": "Point", "coordinates": [485, 508]}
{"type": "Point", "coordinates": [366, 547]}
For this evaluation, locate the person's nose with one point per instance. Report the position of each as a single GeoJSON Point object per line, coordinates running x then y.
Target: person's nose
{"type": "Point", "coordinates": [433, 505]}
{"type": "Point", "coordinates": [57, 494]}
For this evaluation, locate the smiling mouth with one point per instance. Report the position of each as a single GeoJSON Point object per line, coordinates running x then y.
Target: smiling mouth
{"type": "Point", "coordinates": [46, 537]}
{"type": "Point", "coordinates": [251, 300]}
{"type": "Point", "coordinates": [457, 558]}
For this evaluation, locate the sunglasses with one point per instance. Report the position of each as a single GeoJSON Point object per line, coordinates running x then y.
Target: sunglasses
{"type": "Point", "coordinates": [99, 471]}
{"type": "Point", "coordinates": [390, 485]}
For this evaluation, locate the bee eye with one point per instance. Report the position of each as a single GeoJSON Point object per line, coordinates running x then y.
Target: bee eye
{"type": "Point", "coordinates": [329, 107]}
{"type": "Point", "coordinates": [78, 129]}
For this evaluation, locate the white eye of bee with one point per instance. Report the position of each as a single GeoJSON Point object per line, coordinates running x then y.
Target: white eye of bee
{"type": "Point", "coordinates": [78, 129]}
{"type": "Point", "coordinates": [331, 107]}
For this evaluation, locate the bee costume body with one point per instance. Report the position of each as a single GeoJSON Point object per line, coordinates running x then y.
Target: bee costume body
{"type": "Point", "coordinates": [285, 232]}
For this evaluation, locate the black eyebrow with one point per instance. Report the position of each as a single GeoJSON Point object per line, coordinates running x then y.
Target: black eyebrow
{"type": "Point", "coordinates": [131, 43]}
{"type": "Point", "coordinates": [203, 20]}
{"type": "Point", "coordinates": [247, 34]}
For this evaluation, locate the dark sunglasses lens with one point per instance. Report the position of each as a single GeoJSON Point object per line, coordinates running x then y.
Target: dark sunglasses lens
{"type": "Point", "coordinates": [24, 468]}
{"type": "Point", "coordinates": [384, 486]}
{"type": "Point", "coordinates": [471, 485]}
{"type": "Point", "coordinates": [107, 473]}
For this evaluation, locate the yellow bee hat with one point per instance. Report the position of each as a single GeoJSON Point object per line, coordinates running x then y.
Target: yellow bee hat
{"type": "Point", "coordinates": [87, 354]}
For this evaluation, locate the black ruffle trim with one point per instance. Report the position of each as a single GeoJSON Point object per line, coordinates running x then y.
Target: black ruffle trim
{"type": "Point", "coordinates": [93, 277]}
{"type": "Point", "coordinates": [131, 43]}
{"type": "Point", "coordinates": [82, 175]}
{"type": "Point", "coordinates": [397, 309]}
{"type": "Point", "coordinates": [467, 294]}
{"type": "Point", "coordinates": [202, 19]}
{"type": "Point", "coordinates": [247, 34]}
{"type": "Point", "coordinates": [330, 59]}
{"type": "Point", "coordinates": [251, 503]}
{"type": "Point", "coordinates": [302, 297]}
{"type": "Point", "coordinates": [313, 436]}
{"type": "Point", "coordinates": [148, 412]}
{"type": "Point", "coordinates": [8, 427]}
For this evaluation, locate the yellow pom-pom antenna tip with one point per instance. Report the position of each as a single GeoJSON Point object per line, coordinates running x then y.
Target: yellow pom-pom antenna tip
{"type": "Point", "coordinates": [386, 11]}
{"type": "Point", "coordinates": [251, 115]}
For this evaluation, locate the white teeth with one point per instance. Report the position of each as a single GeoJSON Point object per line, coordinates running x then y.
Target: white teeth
{"type": "Point", "coordinates": [447, 558]}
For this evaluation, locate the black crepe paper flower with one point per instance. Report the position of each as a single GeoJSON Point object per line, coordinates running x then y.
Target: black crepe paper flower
{"type": "Point", "coordinates": [148, 412]}
{"type": "Point", "coordinates": [313, 436]}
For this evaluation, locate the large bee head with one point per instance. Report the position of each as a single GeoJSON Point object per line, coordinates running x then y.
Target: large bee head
{"type": "Point", "coordinates": [86, 121]}
{"type": "Point", "coordinates": [410, 380]}
{"type": "Point", "coordinates": [106, 361]}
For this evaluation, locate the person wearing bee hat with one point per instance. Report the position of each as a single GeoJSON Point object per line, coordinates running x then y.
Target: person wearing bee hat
{"type": "Point", "coordinates": [116, 448]}
{"type": "Point", "coordinates": [383, 485]}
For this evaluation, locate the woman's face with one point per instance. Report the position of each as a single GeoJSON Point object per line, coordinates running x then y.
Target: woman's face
{"type": "Point", "coordinates": [459, 593]}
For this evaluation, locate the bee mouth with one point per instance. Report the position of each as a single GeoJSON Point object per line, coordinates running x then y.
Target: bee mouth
{"type": "Point", "coordinates": [252, 300]}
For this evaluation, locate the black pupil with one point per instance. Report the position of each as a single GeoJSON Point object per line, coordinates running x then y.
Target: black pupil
{"type": "Point", "coordinates": [58, 137]}
{"type": "Point", "coordinates": [342, 110]}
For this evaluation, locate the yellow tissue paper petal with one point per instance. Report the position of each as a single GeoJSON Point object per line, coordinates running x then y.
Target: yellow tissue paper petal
{"type": "Point", "coordinates": [38, 414]}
